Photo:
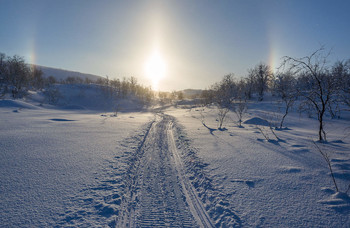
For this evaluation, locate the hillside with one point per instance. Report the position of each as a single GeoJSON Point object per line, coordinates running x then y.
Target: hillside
{"type": "Point", "coordinates": [63, 74]}
{"type": "Point", "coordinates": [191, 92]}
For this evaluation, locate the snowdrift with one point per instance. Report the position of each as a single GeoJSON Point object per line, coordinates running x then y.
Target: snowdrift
{"type": "Point", "coordinates": [19, 104]}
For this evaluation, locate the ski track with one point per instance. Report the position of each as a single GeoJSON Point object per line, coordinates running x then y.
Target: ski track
{"type": "Point", "coordinates": [159, 194]}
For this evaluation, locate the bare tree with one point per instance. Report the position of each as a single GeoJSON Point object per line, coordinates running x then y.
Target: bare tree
{"type": "Point", "coordinates": [222, 112]}
{"type": "Point", "coordinates": [37, 79]}
{"type": "Point", "coordinates": [240, 108]}
{"type": "Point", "coordinates": [319, 87]}
{"type": "Point", "coordinates": [225, 91]}
{"type": "Point", "coordinates": [262, 76]}
{"type": "Point", "coordinates": [207, 96]}
{"type": "Point", "coordinates": [180, 95]}
{"type": "Point", "coordinates": [3, 67]}
{"type": "Point", "coordinates": [341, 74]}
{"type": "Point", "coordinates": [52, 94]}
{"type": "Point", "coordinates": [240, 104]}
{"type": "Point", "coordinates": [132, 84]}
{"type": "Point", "coordinates": [284, 86]}
{"type": "Point", "coordinates": [224, 95]}
{"type": "Point", "coordinates": [17, 75]}
{"type": "Point", "coordinates": [249, 86]}
{"type": "Point", "coordinates": [50, 80]}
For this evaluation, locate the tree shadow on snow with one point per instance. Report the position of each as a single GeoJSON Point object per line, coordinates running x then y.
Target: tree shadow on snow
{"type": "Point", "coordinates": [211, 130]}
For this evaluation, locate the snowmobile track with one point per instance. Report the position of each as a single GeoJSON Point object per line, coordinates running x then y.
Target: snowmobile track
{"type": "Point", "coordinates": [159, 193]}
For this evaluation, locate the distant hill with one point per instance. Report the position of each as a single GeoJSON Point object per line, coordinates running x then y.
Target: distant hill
{"type": "Point", "coordinates": [63, 74]}
{"type": "Point", "coordinates": [191, 92]}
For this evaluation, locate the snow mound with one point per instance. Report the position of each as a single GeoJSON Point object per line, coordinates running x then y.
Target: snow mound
{"type": "Point", "coordinates": [338, 201]}
{"type": "Point", "coordinates": [16, 104]}
{"type": "Point", "coordinates": [257, 121]}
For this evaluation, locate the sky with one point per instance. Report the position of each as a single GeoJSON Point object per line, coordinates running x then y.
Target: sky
{"type": "Point", "coordinates": [190, 43]}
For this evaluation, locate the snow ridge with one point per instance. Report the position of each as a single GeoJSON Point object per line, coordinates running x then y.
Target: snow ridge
{"type": "Point", "coordinates": [154, 197]}
{"type": "Point", "coordinates": [215, 203]}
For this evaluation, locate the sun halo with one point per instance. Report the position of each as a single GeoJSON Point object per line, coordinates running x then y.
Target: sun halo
{"type": "Point", "coordinates": [155, 68]}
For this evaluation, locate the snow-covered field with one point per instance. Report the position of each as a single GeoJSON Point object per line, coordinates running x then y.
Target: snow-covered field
{"type": "Point", "coordinates": [164, 168]}
{"type": "Point", "coordinates": [283, 183]}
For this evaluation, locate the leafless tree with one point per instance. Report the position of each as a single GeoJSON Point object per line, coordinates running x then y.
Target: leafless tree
{"type": "Point", "coordinates": [284, 86]}
{"type": "Point", "coordinates": [240, 108]}
{"type": "Point", "coordinates": [207, 96]}
{"type": "Point", "coordinates": [222, 112]}
{"type": "Point", "coordinates": [240, 104]}
{"type": "Point", "coordinates": [18, 75]}
{"type": "Point", "coordinates": [3, 67]}
{"type": "Point", "coordinates": [37, 79]}
{"type": "Point", "coordinates": [52, 95]}
{"type": "Point", "coordinates": [249, 85]}
{"type": "Point", "coordinates": [320, 85]}
{"type": "Point", "coordinates": [180, 95]}
{"type": "Point", "coordinates": [224, 95]}
{"type": "Point", "coordinates": [341, 74]}
{"type": "Point", "coordinates": [262, 76]}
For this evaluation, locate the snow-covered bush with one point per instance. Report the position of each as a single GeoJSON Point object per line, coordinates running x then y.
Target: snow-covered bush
{"type": "Point", "coordinates": [52, 95]}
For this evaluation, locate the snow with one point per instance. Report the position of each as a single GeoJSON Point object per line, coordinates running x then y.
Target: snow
{"type": "Point", "coordinates": [48, 165]}
{"type": "Point", "coordinates": [257, 121]}
{"type": "Point", "coordinates": [275, 184]}
{"type": "Point", "coordinates": [87, 167]}
{"type": "Point", "coordinates": [6, 103]}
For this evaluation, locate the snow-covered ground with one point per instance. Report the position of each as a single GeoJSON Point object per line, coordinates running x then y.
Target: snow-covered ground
{"type": "Point", "coordinates": [87, 168]}
{"type": "Point", "coordinates": [276, 183]}
{"type": "Point", "coordinates": [51, 159]}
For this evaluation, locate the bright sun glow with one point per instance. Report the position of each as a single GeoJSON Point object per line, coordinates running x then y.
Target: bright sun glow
{"type": "Point", "coordinates": [155, 68]}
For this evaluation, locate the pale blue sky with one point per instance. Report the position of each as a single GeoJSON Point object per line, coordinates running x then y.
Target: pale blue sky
{"type": "Point", "coordinates": [200, 41]}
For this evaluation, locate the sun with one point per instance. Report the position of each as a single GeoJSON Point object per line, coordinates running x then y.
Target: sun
{"type": "Point", "coordinates": [155, 68]}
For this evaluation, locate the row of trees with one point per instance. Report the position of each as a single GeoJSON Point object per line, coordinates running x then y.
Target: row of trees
{"type": "Point", "coordinates": [17, 77]}
{"type": "Point", "coordinates": [127, 87]}
{"type": "Point", "coordinates": [319, 86]}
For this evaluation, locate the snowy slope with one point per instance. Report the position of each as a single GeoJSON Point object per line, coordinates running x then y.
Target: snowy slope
{"type": "Point", "coordinates": [63, 74]}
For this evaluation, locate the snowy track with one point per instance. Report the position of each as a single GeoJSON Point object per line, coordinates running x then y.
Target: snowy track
{"type": "Point", "coordinates": [158, 193]}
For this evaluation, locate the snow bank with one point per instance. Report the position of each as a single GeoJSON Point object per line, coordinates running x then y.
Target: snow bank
{"type": "Point", "coordinates": [16, 104]}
